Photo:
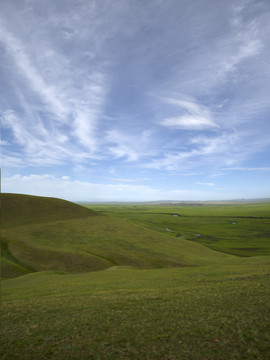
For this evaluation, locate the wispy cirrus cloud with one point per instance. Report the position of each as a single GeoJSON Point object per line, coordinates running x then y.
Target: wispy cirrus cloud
{"type": "Point", "coordinates": [18, 55]}
{"type": "Point", "coordinates": [192, 116]}
{"type": "Point", "coordinates": [206, 183]}
{"type": "Point", "coordinates": [131, 147]}
{"type": "Point", "coordinates": [122, 180]}
{"type": "Point", "coordinates": [202, 150]}
{"type": "Point", "coordinates": [247, 168]}
{"type": "Point", "coordinates": [39, 147]}
{"type": "Point", "coordinates": [122, 146]}
{"type": "Point", "coordinates": [71, 101]}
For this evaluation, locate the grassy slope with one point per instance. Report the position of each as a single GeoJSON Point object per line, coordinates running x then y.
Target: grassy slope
{"type": "Point", "coordinates": [18, 209]}
{"type": "Point", "coordinates": [52, 234]}
{"type": "Point", "coordinates": [249, 236]}
{"type": "Point", "coordinates": [218, 312]}
{"type": "Point", "coordinates": [24, 210]}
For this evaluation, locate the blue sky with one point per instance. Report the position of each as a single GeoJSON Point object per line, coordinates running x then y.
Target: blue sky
{"type": "Point", "coordinates": [135, 100]}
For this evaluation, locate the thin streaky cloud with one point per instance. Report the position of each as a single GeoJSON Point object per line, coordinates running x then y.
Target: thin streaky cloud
{"type": "Point", "coordinates": [192, 116]}
{"type": "Point", "coordinates": [122, 180]}
{"type": "Point", "coordinates": [206, 183]}
{"type": "Point", "coordinates": [78, 110]}
{"type": "Point", "coordinates": [192, 122]}
{"type": "Point", "coordinates": [128, 146]}
{"type": "Point", "coordinates": [247, 169]}
{"type": "Point", "coordinates": [211, 149]}
{"type": "Point", "coordinates": [21, 60]}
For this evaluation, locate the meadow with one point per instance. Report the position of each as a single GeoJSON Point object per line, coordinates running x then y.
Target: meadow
{"type": "Point", "coordinates": [236, 228]}
{"type": "Point", "coordinates": [113, 283]}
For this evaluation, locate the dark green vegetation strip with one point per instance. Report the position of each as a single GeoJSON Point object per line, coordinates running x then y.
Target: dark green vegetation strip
{"type": "Point", "coordinates": [240, 229]}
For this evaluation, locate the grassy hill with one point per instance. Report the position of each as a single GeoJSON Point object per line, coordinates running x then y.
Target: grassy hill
{"type": "Point", "coordinates": [20, 209]}
{"type": "Point", "coordinates": [155, 297]}
{"type": "Point", "coordinates": [40, 234]}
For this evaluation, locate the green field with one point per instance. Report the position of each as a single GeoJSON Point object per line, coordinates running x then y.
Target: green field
{"type": "Point", "coordinates": [113, 283]}
{"type": "Point", "coordinates": [236, 228]}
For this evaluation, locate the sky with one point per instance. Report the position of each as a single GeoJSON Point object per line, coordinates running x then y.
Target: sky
{"type": "Point", "coordinates": [134, 100]}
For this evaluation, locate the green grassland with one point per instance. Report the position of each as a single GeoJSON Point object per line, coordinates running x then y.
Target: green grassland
{"type": "Point", "coordinates": [111, 282]}
{"type": "Point", "coordinates": [237, 228]}
{"type": "Point", "coordinates": [179, 313]}
{"type": "Point", "coordinates": [88, 241]}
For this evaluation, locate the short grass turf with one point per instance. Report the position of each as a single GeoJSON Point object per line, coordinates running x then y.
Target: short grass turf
{"type": "Point", "coordinates": [199, 313]}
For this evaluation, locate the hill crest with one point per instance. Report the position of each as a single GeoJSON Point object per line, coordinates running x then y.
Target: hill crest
{"type": "Point", "coordinates": [19, 209]}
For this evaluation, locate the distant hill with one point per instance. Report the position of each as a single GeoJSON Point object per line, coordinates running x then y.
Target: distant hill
{"type": "Point", "coordinates": [40, 233]}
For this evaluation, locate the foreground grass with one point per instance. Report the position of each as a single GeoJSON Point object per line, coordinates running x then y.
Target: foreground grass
{"type": "Point", "coordinates": [182, 313]}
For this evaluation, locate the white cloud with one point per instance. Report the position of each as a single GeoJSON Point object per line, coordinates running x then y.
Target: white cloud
{"type": "Point", "coordinates": [132, 147]}
{"type": "Point", "coordinates": [11, 161]}
{"type": "Point", "coordinates": [84, 129]}
{"type": "Point", "coordinates": [248, 48]}
{"type": "Point", "coordinates": [122, 180]}
{"type": "Point", "coordinates": [21, 134]}
{"type": "Point", "coordinates": [220, 144]}
{"type": "Point", "coordinates": [247, 168]}
{"type": "Point", "coordinates": [35, 145]}
{"type": "Point", "coordinates": [72, 100]}
{"type": "Point", "coordinates": [225, 149]}
{"type": "Point", "coordinates": [190, 122]}
{"type": "Point", "coordinates": [206, 183]}
{"type": "Point", "coordinates": [23, 63]}
{"type": "Point", "coordinates": [75, 190]}
{"type": "Point", "coordinates": [193, 117]}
